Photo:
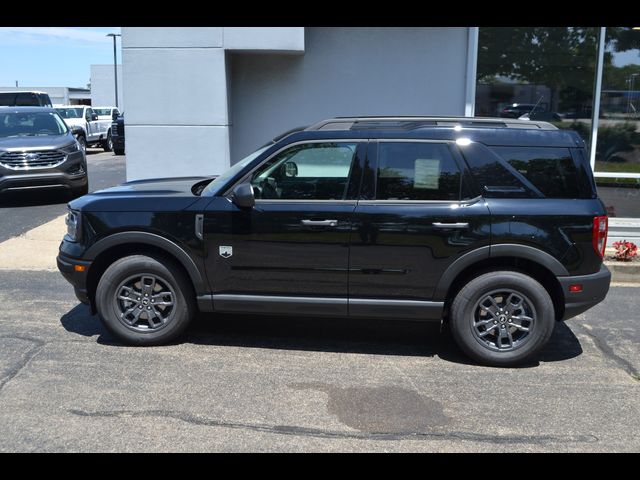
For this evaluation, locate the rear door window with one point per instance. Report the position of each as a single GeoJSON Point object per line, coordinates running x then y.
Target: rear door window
{"type": "Point", "coordinates": [416, 171]}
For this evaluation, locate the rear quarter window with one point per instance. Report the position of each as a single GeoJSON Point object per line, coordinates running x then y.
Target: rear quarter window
{"type": "Point", "coordinates": [553, 171]}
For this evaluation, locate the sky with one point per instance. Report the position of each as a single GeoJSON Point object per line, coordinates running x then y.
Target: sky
{"type": "Point", "coordinates": [54, 56]}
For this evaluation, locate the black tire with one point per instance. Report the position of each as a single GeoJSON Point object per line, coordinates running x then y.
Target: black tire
{"type": "Point", "coordinates": [118, 151]}
{"type": "Point", "coordinates": [497, 340]}
{"type": "Point", "coordinates": [169, 276]}
{"type": "Point", "coordinates": [107, 145]}
{"type": "Point", "coordinates": [83, 142]}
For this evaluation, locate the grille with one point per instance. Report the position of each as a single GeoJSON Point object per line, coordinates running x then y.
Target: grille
{"type": "Point", "coordinates": [114, 129]}
{"type": "Point", "coordinates": [28, 160]}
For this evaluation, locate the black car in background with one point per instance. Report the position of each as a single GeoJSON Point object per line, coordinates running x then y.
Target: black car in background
{"type": "Point", "coordinates": [117, 134]}
{"type": "Point", "coordinates": [38, 150]}
{"type": "Point", "coordinates": [25, 99]}
{"type": "Point", "coordinates": [493, 226]}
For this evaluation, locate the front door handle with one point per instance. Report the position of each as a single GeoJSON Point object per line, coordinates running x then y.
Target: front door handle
{"type": "Point", "coordinates": [450, 225]}
{"type": "Point", "coordinates": [319, 223]}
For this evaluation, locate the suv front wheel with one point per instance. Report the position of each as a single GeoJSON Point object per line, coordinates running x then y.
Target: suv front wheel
{"type": "Point", "coordinates": [145, 300]}
{"type": "Point", "coordinates": [502, 318]}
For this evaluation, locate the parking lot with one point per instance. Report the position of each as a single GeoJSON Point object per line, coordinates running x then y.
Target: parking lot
{"type": "Point", "coordinates": [241, 383]}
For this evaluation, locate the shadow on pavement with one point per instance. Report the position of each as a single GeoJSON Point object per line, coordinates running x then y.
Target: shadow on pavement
{"type": "Point", "coordinates": [340, 335]}
{"type": "Point", "coordinates": [80, 321]}
{"type": "Point", "coordinates": [34, 197]}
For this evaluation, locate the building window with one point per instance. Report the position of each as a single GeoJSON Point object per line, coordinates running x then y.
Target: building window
{"type": "Point", "coordinates": [547, 73]}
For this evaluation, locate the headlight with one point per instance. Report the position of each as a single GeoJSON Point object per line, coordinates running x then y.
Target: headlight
{"type": "Point", "coordinates": [71, 148]}
{"type": "Point", "coordinates": [73, 225]}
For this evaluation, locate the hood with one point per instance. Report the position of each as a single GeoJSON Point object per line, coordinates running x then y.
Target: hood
{"type": "Point", "coordinates": [78, 122]}
{"type": "Point", "coordinates": [35, 143]}
{"type": "Point", "coordinates": [158, 194]}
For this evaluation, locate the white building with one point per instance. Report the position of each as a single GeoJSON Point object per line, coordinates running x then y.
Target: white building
{"type": "Point", "coordinates": [103, 86]}
{"type": "Point", "coordinates": [199, 99]}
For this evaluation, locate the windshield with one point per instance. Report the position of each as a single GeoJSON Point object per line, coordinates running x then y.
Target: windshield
{"type": "Point", "coordinates": [214, 187]}
{"type": "Point", "coordinates": [103, 112]}
{"type": "Point", "coordinates": [31, 124]}
{"type": "Point", "coordinates": [70, 112]}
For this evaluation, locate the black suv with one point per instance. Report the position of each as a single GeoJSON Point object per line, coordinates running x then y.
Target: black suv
{"type": "Point", "coordinates": [492, 225]}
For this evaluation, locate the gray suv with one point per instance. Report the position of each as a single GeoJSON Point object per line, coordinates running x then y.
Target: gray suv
{"type": "Point", "coordinates": [38, 150]}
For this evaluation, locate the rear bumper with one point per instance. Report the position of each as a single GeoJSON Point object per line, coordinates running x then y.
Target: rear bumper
{"type": "Point", "coordinates": [594, 290]}
{"type": "Point", "coordinates": [67, 267]}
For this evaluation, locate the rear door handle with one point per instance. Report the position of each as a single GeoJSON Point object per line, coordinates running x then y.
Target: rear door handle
{"type": "Point", "coordinates": [319, 223]}
{"type": "Point", "coordinates": [450, 225]}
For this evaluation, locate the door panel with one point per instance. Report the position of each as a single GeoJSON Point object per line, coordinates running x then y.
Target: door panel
{"type": "Point", "coordinates": [398, 252]}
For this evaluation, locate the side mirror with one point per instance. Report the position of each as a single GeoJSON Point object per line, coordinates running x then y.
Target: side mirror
{"type": "Point", "coordinates": [290, 169]}
{"type": "Point", "coordinates": [94, 116]}
{"type": "Point", "coordinates": [242, 196]}
{"type": "Point", "coordinates": [114, 116]}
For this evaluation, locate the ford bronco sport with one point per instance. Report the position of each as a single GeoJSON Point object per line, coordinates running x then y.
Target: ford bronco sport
{"type": "Point", "coordinates": [491, 225]}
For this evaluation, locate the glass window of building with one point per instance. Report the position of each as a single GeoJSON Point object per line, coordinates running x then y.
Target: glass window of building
{"type": "Point", "coordinates": [545, 73]}
{"type": "Point", "coordinates": [618, 143]}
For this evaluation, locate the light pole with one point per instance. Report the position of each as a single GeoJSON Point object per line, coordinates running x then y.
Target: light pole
{"type": "Point", "coordinates": [115, 64]}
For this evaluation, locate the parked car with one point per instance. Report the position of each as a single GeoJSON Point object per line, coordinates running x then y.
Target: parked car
{"type": "Point", "coordinates": [117, 134]}
{"type": "Point", "coordinates": [25, 99]}
{"type": "Point", "coordinates": [106, 113]}
{"type": "Point", "coordinates": [95, 132]}
{"type": "Point", "coordinates": [516, 110]}
{"type": "Point", "coordinates": [490, 225]}
{"type": "Point", "coordinates": [37, 150]}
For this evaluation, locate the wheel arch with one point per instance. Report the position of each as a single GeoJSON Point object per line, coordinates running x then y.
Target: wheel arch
{"type": "Point", "coordinates": [528, 260]}
{"type": "Point", "coordinates": [106, 251]}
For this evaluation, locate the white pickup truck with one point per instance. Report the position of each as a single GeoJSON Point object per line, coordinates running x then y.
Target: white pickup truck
{"type": "Point", "coordinates": [94, 124]}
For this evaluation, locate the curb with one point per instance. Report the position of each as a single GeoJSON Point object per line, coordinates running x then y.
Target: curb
{"type": "Point", "coordinates": [622, 272]}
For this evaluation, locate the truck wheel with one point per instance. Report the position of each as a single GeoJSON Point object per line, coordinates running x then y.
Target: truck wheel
{"type": "Point", "coordinates": [118, 151]}
{"type": "Point", "coordinates": [83, 142]}
{"type": "Point", "coordinates": [107, 145]}
{"type": "Point", "coordinates": [502, 318]}
{"type": "Point", "coordinates": [145, 300]}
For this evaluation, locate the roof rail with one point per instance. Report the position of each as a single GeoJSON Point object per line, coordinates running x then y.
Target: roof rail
{"type": "Point", "coordinates": [412, 123]}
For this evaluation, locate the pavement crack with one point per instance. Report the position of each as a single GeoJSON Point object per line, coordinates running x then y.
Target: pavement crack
{"type": "Point", "coordinates": [321, 433]}
{"type": "Point", "coordinates": [24, 360]}
{"type": "Point", "coordinates": [609, 353]}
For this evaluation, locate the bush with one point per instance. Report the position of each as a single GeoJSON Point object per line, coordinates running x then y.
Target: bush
{"type": "Point", "coordinates": [625, 251]}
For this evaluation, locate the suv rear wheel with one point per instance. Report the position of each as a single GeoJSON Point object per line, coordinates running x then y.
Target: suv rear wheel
{"type": "Point", "coordinates": [502, 318]}
{"type": "Point", "coordinates": [145, 300]}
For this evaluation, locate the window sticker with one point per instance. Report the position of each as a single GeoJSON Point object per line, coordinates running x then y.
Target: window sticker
{"type": "Point", "coordinates": [427, 173]}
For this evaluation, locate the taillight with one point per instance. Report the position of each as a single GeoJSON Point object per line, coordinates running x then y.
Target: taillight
{"type": "Point", "coordinates": [600, 227]}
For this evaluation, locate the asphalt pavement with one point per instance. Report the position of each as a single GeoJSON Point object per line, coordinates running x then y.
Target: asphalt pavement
{"type": "Point", "coordinates": [244, 383]}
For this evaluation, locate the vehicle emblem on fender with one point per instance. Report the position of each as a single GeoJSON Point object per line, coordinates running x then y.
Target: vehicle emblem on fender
{"type": "Point", "coordinates": [225, 251]}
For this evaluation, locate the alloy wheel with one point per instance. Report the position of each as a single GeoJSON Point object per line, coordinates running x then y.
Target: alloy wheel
{"type": "Point", "coordinates": [503, 320]}
{"type": "Point", "coordinates": [144, 302]}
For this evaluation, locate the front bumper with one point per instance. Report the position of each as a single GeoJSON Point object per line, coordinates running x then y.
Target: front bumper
{"type": "Point", "coordinates": [78, 279]}
{"type": "Point", "coordinates": [594, 290]}
{"type": "Point", "coordinates": [42, 180]}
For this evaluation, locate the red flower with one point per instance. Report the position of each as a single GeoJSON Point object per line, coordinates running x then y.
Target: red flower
{"type": "Point", "coordinates": [625, 251]}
